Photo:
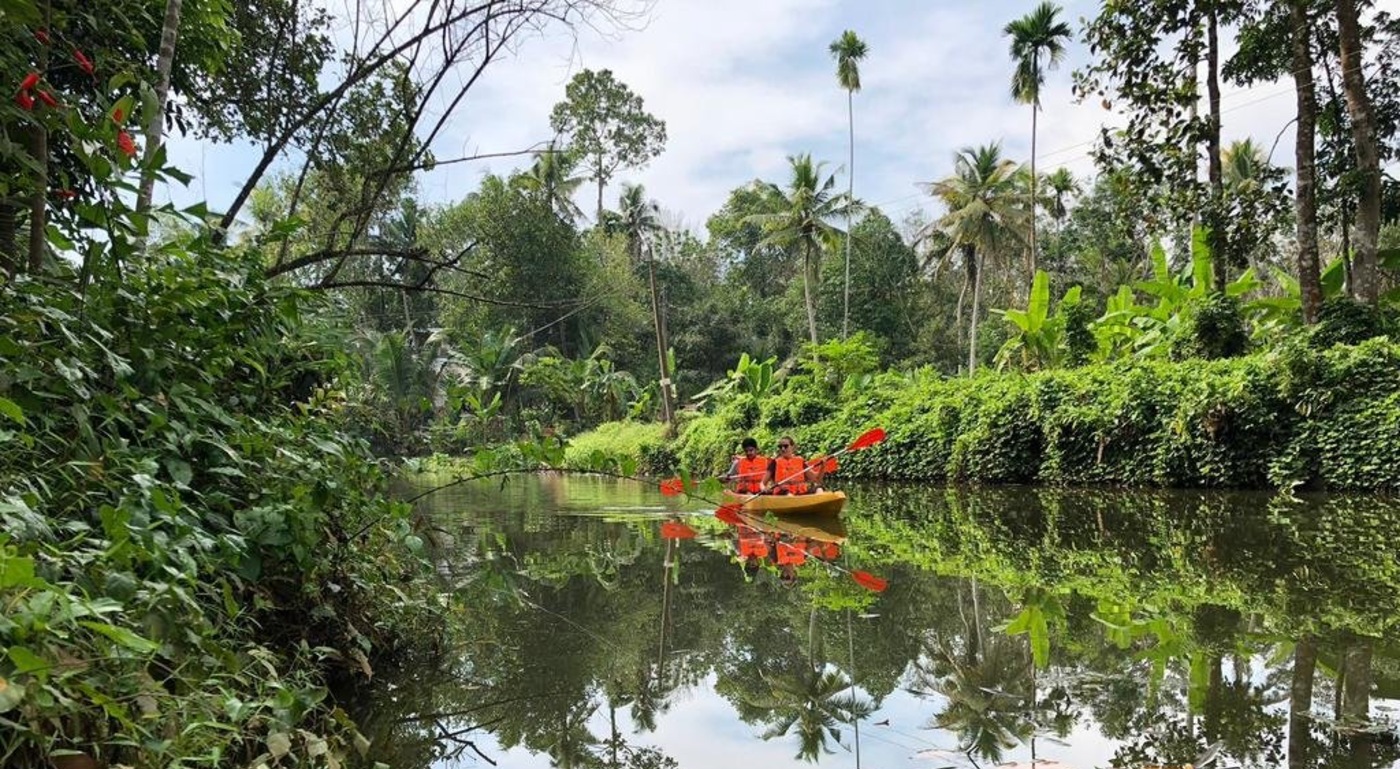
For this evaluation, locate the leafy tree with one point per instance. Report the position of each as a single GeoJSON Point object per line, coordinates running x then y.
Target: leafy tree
{"type": "Point", "coordinates": [606, 125]}
{"type": "Point", "coordinates": [1062, 185]}
{"type": "Point", "coordinates": [549, 176]}
{"type": "Point", "coordinates": [1037, 44]}
{"type": "Point", "coordinates": [890, 300]}
{"type": "Point", "coordinates": [802, 223]}
{"type": "Point", "coordinates": [848, 50]}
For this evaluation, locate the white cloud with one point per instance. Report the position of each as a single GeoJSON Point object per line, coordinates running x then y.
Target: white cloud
{"type": "Point", "coordinates": [742, 84]}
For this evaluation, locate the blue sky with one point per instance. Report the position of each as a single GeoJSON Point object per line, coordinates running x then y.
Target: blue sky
{"type": "Point", "coordinates": [744, 83]}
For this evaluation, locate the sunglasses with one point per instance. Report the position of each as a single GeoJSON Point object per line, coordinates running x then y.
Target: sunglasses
{"type": "Point", "coordinates": [784, 445]}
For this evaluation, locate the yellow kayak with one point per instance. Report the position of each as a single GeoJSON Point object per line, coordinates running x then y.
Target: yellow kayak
{"type": "Point", "coordinates": [826, 503]}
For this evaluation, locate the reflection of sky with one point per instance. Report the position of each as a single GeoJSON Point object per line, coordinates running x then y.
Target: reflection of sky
{"type": "Point", "coordinates": [702, 731]}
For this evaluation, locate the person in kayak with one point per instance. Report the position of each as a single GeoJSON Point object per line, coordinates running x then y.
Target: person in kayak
{"type": "Point", "coordinates": [789, 473]}
{"type": "Point", "coordinates": [748, 470]}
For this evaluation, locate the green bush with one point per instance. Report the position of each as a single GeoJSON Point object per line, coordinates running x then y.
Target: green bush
{"type": "Point", "coordinates": [1297, 416]}
{"type": "Point", "coordinates": [1342, 320]}
{"type": "Point", "coordinates": [639, 441]}
{"type": "Point", "coordinates": [1214, 328]}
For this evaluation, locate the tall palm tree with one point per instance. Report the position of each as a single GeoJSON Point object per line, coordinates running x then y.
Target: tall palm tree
{"type": "Point", "coordinates": [1245, 166]}
{"type": "Point", "coordinates": [550, 176]}
{"type": "Point", "coordinates": [803, 222]}
{"type": "Point", "coordinates": [848, 50]}
{"type": "Point", "coordinates": [985, 214]}
{"type": "Point", "coordinates": [1037, 45]}
{"type": "Point", "coordinates": [638, 219]}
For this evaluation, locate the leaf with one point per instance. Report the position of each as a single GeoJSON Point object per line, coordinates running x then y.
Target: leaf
{"type": "Point", "coordinates": [1332, 278]}
{"type": "Point", "coordinates": [12, 410]}
{"type": "Point", "coordinates": [26, 661]}
{"type": "Point", "coordinates": [17, 571]}
{"type": "Point", "coordinates": [1039, 307]}
{"type": "Point", "coordinates": [1201, 268]}
{"type": "Point", "coordinates": [11, 694]}
{"type": "Point", "coordinates": [279, 744]}
{"type": "Point", "coordinates": [122, 636]}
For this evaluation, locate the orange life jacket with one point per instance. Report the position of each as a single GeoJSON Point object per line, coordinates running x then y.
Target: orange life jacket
{"type": "Point", "coordinates": [791, 473]}
{"type": "Point", "coordinates": [752, 544]}
{"type": "Point", "coordinates": [750, 474]}
{"type": "Point", "coordinates": [791, 552]}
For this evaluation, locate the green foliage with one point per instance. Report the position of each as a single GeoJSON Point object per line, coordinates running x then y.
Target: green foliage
{"type": "Point", "coordinates": [174, 489]}
{"type": "Point", "coordinates": [1346, 321]}
{"type": "Point", "coordinates": [606, 125]}
{"type": "Point", "coordinates": [639, 441]}
{"type": "Point", "coordinates": [1041, 340]}
{"type": "Point", "coordinates": [1214, 328]}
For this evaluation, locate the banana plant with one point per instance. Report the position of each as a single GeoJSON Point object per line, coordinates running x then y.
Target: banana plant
{"type": "Point", "coordinates": [1038, 340]}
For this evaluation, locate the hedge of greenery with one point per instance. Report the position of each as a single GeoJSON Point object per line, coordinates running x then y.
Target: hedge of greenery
{"type": "Point", "coordinates": [1294, 417]}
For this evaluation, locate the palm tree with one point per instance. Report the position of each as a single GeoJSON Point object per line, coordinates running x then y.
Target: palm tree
{"type": "Point", "coordinates": [1062, 185]}
{"type": "Point", "coordinates": [1245, 167]}
{"type": "Point", "coordinates": [550, 176]}
{"type": "Point", "coordinates": [984, 214]}
{"type": "Point", "coordinates": [803, 222]}
{"type": "Point", "coordinates": [1037, 45]}
{"type": "Point", "coordinates": [987, 698]}
{"type": "Point", "coordinates": [638, 218]}
{"type": "Point", "coordinates": [848, 50]}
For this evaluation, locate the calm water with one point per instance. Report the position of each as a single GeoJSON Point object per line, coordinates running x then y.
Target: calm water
{"type": "Point", "coordinates": [607, 625]}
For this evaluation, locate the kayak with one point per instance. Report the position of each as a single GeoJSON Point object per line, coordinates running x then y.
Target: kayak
{"type": "Point", "coordinates": [820, 503]}
{"type": "Point", "coordinates": [819, 528]}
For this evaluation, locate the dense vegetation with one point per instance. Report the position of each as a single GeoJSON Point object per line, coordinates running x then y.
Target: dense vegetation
{"type": "Point", "coordinates": [196, 406]}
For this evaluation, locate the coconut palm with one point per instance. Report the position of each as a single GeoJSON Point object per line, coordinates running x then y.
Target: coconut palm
{"type": "Point", "coordinates": [848, 50]}
{"type": "Point", "coordinates": [1062, 186]}
{"type": "Point", "coordinates": [549, 176]}
{"type": "Point", "coordinates": [803, 222]}
{"type": "Point", "coordinates": [1037, 45]}
{"type": "Point", "coordinates": [1245, 167]}
{"type": "Point", "coordinates": [638, 219]}
{"type": "Point", "coordinates": [986, 215]}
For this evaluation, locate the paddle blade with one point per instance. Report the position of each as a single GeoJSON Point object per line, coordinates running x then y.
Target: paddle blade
{"type": "Point", "coordinates": [729, 514]}
{"type": "Point", "coordinates": [870, 438]}
{"type": "Point", "coordinates": [676, 530]}
{"type": "Point", "coordinates": [672, 487]}
{"type": "Point", "coordinates": [870, 581]}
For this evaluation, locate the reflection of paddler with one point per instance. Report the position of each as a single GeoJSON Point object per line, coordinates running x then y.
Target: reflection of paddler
{"type": "Point", "coordinates": [752, 544]}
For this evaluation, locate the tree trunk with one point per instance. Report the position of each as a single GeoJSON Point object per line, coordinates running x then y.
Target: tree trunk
{"type": "Point", "coordinates": [976, 305]}
{"type": "Point", "coordinates": [1031, 259]}
{"type": "Point", "coordinates": [1309, 267]}
{"type": "Point", "coordinates": [9, 237]}
{"type": "Point", "coordinates": [155, 125]}
{"type": "Point", "coordinates": [1368, 167]}
{"type": "Point", "coordinates": [850, 196]}
{"type": "Point", "coordinates": [807, 281]}
{"type": "Point", "coordinates": [1300, 695]}
{"type": "Point", "coordinates": [1356, 685]}
{"type": "Point", "coordinates": [666, 412]}
{"type": "Point", "coordinates": [599, 219]}
{"type": "Point", "coordinates": [1219, 256]}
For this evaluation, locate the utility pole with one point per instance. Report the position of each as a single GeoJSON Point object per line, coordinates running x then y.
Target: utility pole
{"type": "Point", "coordinates": [667, 411]}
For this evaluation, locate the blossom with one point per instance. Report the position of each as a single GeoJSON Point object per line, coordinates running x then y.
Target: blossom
{"type": "Point", "coordinates": [47, 98]}
{"type": "Point", "coordinates": [118, 115]}
{"type": "Point", "coordinates": [65, 194]}
{"type": "Point", "coordinates": [42, 36]}
{"type": "Point", "coordinates": [24, 100]}
{"type": "Point", "coordinates": [84, 63]}
{"type": "Point", "coordinates": [30, 80]}
{"type": "Point", "coordinates": [125, 144]}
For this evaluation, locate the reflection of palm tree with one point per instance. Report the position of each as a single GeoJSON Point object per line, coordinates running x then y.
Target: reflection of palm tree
{"type": "Point", "coordinates": [986, 708]}
{"type": "Point", "coordinates": [813, 703]}
{"type": "Point", "coordinates": [572, 744]}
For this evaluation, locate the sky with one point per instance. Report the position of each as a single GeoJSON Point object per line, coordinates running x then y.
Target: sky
{"type": "Point", "coordinates": [743, 84]}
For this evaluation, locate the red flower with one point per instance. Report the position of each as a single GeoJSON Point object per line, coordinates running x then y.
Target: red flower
{"type": "Point", "coordinates": [84, 63]}
{"type": "Point", "coordinates": [24, 100]}
{"type": "Point", "coordinates": [65, 194]}
{"type": "Point", "coordinates": [42, 36]}
{"type": "Point", "coordinates": [677, 530]}
{"type": "Point", "coordinates": [30, 80]}
{"type": "Point", "coordinates": [672, 486]}
{"type": "Point", "coordinates": [47, 98]}
{"type": "Point", "coordinates": [126, 145]}
{"type": "Point", "coordinates": [118, 115]}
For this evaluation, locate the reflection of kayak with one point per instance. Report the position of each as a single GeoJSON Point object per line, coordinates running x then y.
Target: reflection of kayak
{"type": "Point", "coordinates": [817, 528]}
{"type": "Point", "coordinates": [820, 503]}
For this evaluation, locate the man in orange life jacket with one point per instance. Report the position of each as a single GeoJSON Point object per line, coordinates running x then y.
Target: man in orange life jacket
{"type": "Point", "coordinates": [748, 470]}
{"type": "Point", "coordinates": [789, 473]}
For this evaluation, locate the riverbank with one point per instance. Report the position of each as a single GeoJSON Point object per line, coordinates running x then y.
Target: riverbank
{"type": "Point", "coordinates": [1291, 418]}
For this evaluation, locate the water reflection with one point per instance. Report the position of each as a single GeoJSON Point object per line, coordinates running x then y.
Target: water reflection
{"type": "Point", "coordinates": [606, 626]}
